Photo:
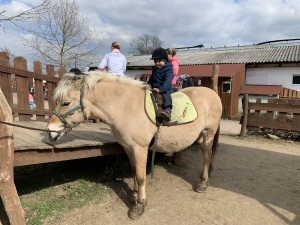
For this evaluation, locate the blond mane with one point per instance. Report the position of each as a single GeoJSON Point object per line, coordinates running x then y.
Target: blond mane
{"type": "Point", "coordinates": [87, 83]}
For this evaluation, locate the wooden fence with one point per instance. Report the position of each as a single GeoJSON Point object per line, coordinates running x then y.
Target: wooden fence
{"type": "Point", "coordinates": [19, 148]}
{"type": "Point", "coordinates": [280, 114]}
{"type": "Point", "coordinates": [19, 75]}
{"type": "Point", "coordinates": [289, 93]}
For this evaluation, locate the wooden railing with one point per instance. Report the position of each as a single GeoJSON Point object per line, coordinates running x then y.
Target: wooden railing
{"type": "Point", "coordinates": [17, 96]}
{"type": "Point", "coordinates": [279, 114]}
{"type": "Point", "coordinates": [289, 93]}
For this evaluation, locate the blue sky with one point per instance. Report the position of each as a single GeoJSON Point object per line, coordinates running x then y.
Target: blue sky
{"type": "Point", "coordinates": [213, 23]}
{"type": "Point", "coordinates": [4, 2]}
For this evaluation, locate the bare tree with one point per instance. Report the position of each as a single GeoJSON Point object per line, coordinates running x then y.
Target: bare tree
{"type": "Point", "coordinates": [62, 37]}
{"type": "Point", "coordinates": [25, 15]}
{"type": "Point", "coordinates": [145, 44]}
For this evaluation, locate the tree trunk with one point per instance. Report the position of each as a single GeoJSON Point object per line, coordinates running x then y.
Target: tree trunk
{"type": "Point", "coordinates": [215, 77]}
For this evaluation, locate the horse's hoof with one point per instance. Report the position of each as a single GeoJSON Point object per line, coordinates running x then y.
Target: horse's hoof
{"type": "Point", "coordinates": [201, 187]}
{"type": "Point", "coordinates": [136, 211]}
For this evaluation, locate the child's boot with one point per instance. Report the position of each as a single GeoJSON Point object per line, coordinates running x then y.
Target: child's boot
{"type": "Point", "coordinates": [166, 114]}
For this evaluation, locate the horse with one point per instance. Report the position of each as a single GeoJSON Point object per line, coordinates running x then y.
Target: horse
{"type": "Point", "coordinates": [119, 102]}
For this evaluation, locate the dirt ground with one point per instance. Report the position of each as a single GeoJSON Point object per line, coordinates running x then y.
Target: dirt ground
{"type": "Point", "coordinates": [255, 181]}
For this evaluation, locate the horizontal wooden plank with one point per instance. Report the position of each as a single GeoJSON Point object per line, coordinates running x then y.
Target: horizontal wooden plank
{"type": "Point", "coordinates": [32, 111]}
{"type": "Point", "coordinates": [29, 74]}
{"type": "Point", "coordinates": [86, 140]}
{"type": "Point", "coordinates": [273, 124]}
{"type": "Point", "coordinates": [274, 107]}
{"type": "Point", "coordinates": [33, 156]}
{"type": "Point", "coordinates": [31, 139]}
{"type": "Point", "coordinates": [85, 135]}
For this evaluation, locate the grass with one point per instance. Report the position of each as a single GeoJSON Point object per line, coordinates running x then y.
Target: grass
{"type": "Point", "coordinates": [47, 189]}
{"type": "Point", "coordinates": [44, 203]}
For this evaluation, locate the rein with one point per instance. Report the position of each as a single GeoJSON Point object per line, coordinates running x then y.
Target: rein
{"type": "Point", "coordinates": [30, 128]}
{"type": "Point", "coordinates": [71, 112]}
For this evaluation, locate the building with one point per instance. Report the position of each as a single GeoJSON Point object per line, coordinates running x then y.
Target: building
{"type": "Point", "coordinates": [241, 69]}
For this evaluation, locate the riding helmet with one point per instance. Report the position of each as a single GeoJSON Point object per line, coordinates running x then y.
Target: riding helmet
{"type": "Point", "coordinates": [160, 53]}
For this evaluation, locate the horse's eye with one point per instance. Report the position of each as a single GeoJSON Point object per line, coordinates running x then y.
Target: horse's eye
{"type": "Point", "coordinates": [66, 103]}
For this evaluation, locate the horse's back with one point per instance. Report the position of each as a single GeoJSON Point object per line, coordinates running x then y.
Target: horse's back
{"type": "Point", "coordinates": [207, 103]}
{"type": "Point", "coordinates": [203, 95]}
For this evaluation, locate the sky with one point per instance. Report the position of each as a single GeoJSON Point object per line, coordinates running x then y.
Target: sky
{"type": "Point", "coordinates": [178, 23]}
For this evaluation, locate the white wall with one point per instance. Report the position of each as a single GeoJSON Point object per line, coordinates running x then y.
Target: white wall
{"type": "Point", "coordinates": [273, 76]}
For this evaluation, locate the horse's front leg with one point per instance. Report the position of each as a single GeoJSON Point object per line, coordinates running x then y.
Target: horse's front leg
{"type": "Point", "coordinates": [138, 161]}
{"type": "Point", "coordinates": [206, 146]}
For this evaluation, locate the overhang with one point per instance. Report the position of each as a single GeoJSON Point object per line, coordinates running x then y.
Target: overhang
{"type": "Point", "coordinates": [225, 70]}
{"type": "Point", "coordinates": [261, 89]}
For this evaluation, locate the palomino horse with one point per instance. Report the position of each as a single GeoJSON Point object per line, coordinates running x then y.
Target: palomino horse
{"type": "Point", "coordinates": [119, 102]}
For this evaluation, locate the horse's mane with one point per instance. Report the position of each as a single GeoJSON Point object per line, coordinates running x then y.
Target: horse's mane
{"type": "Point", "coordinates": [86, 83]}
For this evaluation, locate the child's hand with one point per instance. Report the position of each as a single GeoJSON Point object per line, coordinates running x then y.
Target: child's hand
{"type": "Point", "coordinates": [156, 89]}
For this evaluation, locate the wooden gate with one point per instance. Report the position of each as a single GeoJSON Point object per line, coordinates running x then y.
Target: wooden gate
{"type": "Point", "coordinates": [279, 114]}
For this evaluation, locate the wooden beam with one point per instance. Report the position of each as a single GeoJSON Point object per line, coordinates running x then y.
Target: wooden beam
{"type": "Point", "coordinates": [8, 189]}
{"type": "Point", "coordinates": [274, 107]}
{"type": "Point", "coordinates": [245, 116]}
{"type": "Point", "coordinates": [30, 157]}
{"type": "Point", "coordinates": [23, 73]}
{"type": "Point", "coordinates": [215, 76]}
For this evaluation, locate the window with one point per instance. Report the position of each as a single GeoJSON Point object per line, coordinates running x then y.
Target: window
{"type": "Point", "coordinates": [296, 79]}
{"type": "Point", "coordinates": [226, 87]}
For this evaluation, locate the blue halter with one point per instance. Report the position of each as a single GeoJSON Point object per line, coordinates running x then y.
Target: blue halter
{"type": "Point", "coordinates": [71, 112]}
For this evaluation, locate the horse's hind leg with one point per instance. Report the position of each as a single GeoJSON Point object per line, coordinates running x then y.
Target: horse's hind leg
{"type": "Point", "coordinates": [207, 149]}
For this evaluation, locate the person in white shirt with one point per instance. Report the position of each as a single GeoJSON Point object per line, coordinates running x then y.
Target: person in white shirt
{"type": "Point", "coordinates": [114, 62]}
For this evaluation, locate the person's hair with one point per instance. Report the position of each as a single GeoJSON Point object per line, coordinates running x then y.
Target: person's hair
{"type": "Point", "coordinates": [171, 51]}
{"type": "Point", "coordinates": [116, 45]}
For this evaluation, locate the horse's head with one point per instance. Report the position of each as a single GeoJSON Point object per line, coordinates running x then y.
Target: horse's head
{"type": "Point", "coordinates": [70, 110]}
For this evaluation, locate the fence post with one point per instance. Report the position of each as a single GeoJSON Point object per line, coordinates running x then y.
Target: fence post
{"type": "Point", "coordinates": [215, 76]}
{"type": "Point", "coordinates": [8, 189]}
{"type": "Point", "coordinates": [39, 90]}
{"type": "Point", "coordinates": [245, 116]}
{"type": "Point", "coordinates": [22, 88]}
{"type": "Point", "coordinates": [5, 79]}
{"type": "Point", "coordinates": [51, 86]}
{"type": "Point", "coordinates": [61, 71]}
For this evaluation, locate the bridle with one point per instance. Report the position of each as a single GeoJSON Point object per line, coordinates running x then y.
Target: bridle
{"type": "Point", "coordinates": [71, 112]}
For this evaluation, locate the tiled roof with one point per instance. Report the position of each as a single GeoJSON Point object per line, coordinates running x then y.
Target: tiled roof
{"type": "Point", "coordinates": [233, 55]}
{"type": "Point", "coordinates": [261, 89]}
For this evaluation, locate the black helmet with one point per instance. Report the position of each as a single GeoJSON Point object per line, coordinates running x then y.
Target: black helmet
{"type": "Point", "coordinates": [160, 53]}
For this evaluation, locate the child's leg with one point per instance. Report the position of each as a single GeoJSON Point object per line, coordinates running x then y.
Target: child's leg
{"type": "Point", "coordinates": [167, 101]}
{"type": "Point", "coordinates": [167, 106]}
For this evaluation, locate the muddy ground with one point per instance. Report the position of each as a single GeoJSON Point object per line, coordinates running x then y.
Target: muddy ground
{"type": "Point", "coordinates": [255, 181]}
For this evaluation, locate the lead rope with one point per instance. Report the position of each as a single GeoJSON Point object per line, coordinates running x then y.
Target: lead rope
{"type": "Point", "coordinates": [154, 151]}
{"type": "Point", "coordinates": [30, 128]}
{"type": "Point", "coordinates": [153, 98]}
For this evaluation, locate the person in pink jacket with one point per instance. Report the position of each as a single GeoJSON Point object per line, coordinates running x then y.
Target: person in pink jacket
{"type": "Point", "coordinates": [175, 64]}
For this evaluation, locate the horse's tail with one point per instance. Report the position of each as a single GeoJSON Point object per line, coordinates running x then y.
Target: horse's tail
{"type": "Point", "coordinates": [215, 144]}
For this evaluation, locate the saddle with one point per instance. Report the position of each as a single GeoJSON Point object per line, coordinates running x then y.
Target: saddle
{"type": "Point", "coordinates": [183, 109]}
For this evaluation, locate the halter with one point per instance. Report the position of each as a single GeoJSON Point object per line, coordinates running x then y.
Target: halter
{"type": "Point", "coordinates": [71, 112]}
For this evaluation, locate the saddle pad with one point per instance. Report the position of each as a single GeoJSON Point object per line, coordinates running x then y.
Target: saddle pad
{"type": "Point", "coordinates": [183, 109]}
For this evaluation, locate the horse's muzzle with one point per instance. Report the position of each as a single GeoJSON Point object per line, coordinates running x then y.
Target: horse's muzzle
{"type": "Point", "coordinates": [54, 136]}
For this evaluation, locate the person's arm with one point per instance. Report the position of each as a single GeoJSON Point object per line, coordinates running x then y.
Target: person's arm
{"type": "Point", "coordinates": [124, 64]}
{"type": "Point", "coordinates": [175, 66]}
{"type": "Point", "coordinates": [103, 63]}
{"type": "Point", "coordinates": [167, 82]}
